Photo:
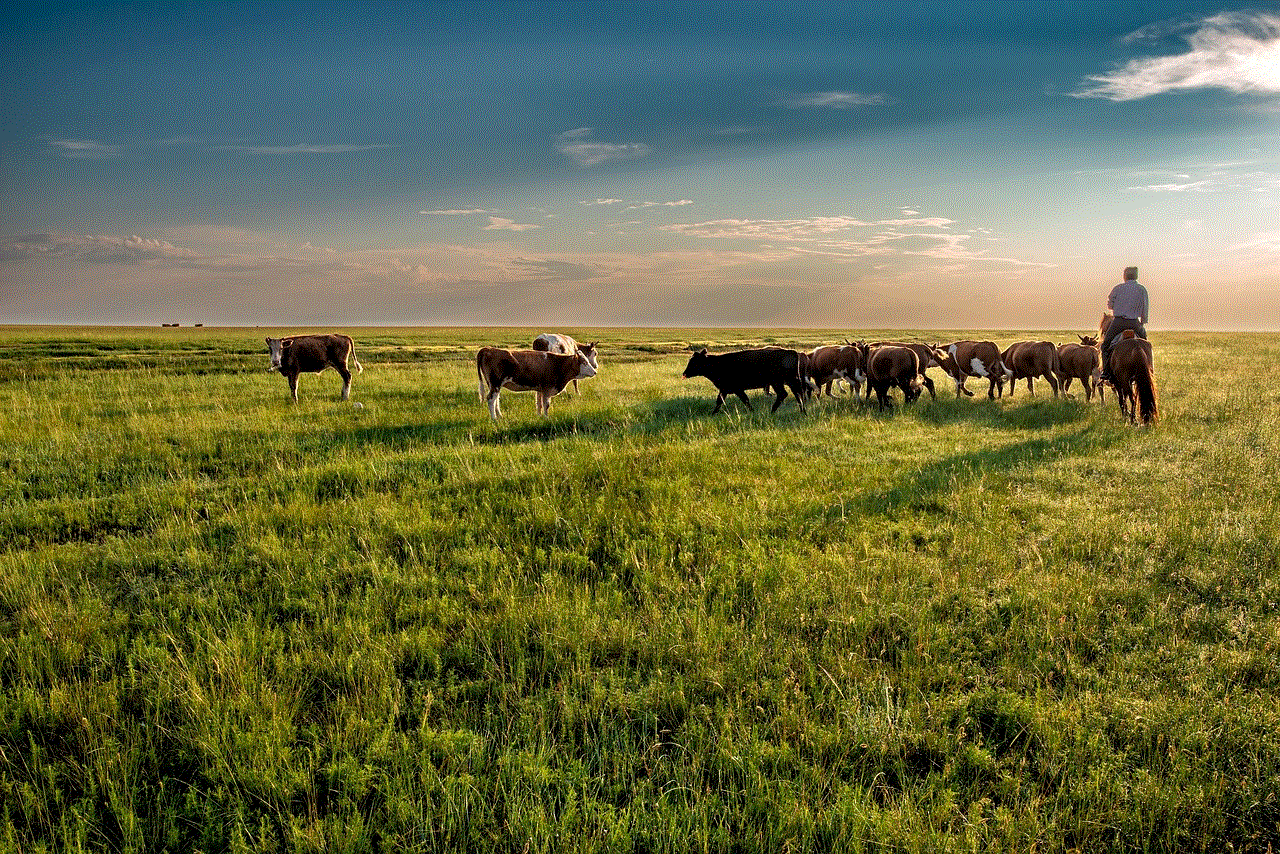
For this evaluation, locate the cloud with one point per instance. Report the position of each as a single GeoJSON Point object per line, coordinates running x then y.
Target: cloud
{"type": "Point", "coordinates": [576, 145]}
{"type": "Point", "coordinates": [765, 229]}
{"type": "Point", "coordinates": [91, 248]}
{"type": "Point", "coordinates": [84, 149]}
{"type": "Point", "coordinates": [302, 148]}
{"type": "Point", "coordinates": [454, 212]}
{"type": "Point", "coordinates": [1235, 51]}
{"type": "Point", "coordinates": [497, 223]}
{"type": "Point", "coordinates": [832, 100]}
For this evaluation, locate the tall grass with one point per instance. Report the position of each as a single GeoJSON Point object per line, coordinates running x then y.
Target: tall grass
{"type": "Point", "coordinates": [234, 624]}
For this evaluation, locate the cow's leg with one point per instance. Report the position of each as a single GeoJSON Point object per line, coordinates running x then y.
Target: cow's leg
{"type": "Point", "coordinates": [798, 389]}
{"type": "Point", "coordinates": [746, 400]}
{"type": "Point", "coordinates": [495, 406]}
{"type": "Point", "coordinates": [346, 380]}
{"type": "Point", "coordinates": [1053, 383]}
{"type": "Point", "coordinates": [719, 403]}
{"type": "Point", "coordinates": [293, 386]}
{"type": "Point", "coordinates": [928, 383]}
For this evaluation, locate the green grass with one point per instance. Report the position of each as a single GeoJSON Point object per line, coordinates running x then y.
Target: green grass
{"type": "Point", "coordinates": [228, 623]}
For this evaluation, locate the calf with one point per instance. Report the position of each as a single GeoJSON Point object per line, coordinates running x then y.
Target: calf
{"type": "Point", "coordinates": [832, 363]}
{"type": "Point", "coordinates": [1081, 362]}
{"type": "Point", "coordinates": [735, 373]}
{"type": "Point", "coordinates": [888, 366]}
{"type": "Point", "coordinates": [545, 374]}
{"type": "Point", "coordinates": [1030, 359]}
{"type": "Point", "coordinates": [965, 359]}
{"type": "Point", "coordinates": [553, 342]}
{"type": "Point", "coordinates": [311, 354]}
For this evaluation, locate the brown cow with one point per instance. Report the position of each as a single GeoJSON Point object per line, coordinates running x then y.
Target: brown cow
{"type": "Point", "coordinates": [546, 374]}
{"type": "Point", "coordinates": [888, 366]}
{"type": "Point", "coordinates": [311, 354]}
{"type": "Point", "coordinates": [1030, 359]}
{"type": "Point", "coordinates": [833, 362]}
{"type": "Point", "coordinates": [929, 357]}
{"type": "Point", "coordinates": [1081, 362]}
{"type": "Point", "coordinates": [965, 359]}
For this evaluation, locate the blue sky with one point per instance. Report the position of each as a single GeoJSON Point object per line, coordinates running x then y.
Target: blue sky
{"type": "Point", "coordinates": [910, 165]}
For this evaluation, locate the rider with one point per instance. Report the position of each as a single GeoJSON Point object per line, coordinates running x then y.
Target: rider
{"type": "Point", "coordinates": [1128, 304]}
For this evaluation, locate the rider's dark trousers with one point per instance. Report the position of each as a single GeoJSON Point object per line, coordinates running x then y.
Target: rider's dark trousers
{"type": "Point", "coordinates": [1114, 331]}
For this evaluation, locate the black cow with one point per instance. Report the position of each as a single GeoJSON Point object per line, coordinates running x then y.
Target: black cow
{"type": "Point", "coordinates": [735, 373]}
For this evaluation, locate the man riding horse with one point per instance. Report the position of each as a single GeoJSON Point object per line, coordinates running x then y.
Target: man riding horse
{"type": "Point", "coordinates": [1128, 303]}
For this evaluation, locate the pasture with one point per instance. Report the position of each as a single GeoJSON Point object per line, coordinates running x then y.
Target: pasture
{"type": "Point", "coordinates": [231, 623]}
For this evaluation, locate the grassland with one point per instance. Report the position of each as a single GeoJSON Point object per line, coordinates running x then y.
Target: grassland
{"type": "Point", "coordinates": [228, 623]}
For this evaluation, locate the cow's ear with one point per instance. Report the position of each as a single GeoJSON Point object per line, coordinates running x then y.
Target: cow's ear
{"type": "Point", "coordinates": [287, 342]}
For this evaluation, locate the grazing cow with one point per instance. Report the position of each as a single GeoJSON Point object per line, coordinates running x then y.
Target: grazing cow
{"type": "Point", "coordinates": [929, 356]}
{"type": "Point", "coordinates": [311, 354]}
{"type": "Point", "coordinates": [965, 359]}
{"type": "Point", "coordinates": [832, 363]}
{"type": "Point", "coordinates": [553, 342]}
{"type": "Point", "coordinates": [1081, 362]}
{"type": "Point", "coordinates": [888, 366]}
{"type": "Point", "coordinates": [1030, 359]}
{"type": "Point", "coordinates": [735, 373]}
{"type": "Point", "coordinates": [545, 374]}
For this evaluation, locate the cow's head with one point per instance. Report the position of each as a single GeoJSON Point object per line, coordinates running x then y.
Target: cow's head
{"type": "Point", "coordinates": [590, 353]}
{"type": "Point", "coordinates": [1088, 340]}
{"type": "Point", "coordinates": [585, 367]}
{"type": "Point", "coordinates": [277, 346]}
{"type": "Point", "coordinates": [697, 364]}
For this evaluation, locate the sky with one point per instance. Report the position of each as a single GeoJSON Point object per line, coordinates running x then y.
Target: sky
{"type": "Point", "coordinates": [983, 165]}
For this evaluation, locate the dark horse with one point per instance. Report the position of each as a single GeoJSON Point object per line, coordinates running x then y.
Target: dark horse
{"type": "Point", "coordinates": [1132, 375]}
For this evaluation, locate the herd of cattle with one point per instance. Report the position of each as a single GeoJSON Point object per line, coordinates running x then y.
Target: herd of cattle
{"type": "Point", "coordinates": [556, 360]}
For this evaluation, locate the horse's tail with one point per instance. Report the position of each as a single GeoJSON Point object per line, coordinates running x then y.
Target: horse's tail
{"type": "Point", "coordinates": [1148, 407]}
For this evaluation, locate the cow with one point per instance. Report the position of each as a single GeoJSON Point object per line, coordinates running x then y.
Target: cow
{"type": "Point", "coordinates": [929, 356]}
{"type": "Point", "coordinates": [1030, 359]}
{"type": "Point", "coordinates": [965, 359]}
{"type": "Point", "coordinates": [736, 372]}
{"type": "Point", "coordinates": [553, 342]}
{"type": "Point", "coordinates": [311, 354]}
{"type": "Point", "coordinates": [888, 366]}
{"type": "Point", "coordinates": [545, 374]}
{"type": "Point", "coordinates": [832, 363]}
{"type": "Point", "coordinates": [1081, 362]}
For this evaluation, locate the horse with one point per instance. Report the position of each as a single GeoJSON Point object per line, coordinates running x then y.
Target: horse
{"type": "Point", "coordinates": [1132, 375]}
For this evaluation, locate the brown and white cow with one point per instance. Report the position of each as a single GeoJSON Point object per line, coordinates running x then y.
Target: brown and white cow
{"type": "Point", "coordinates": [1030, 359]}
{"type": "Point", "coordinates": [965, 359]}
{"type": "Point", "coordinates": [833, 363]}
{"type": "Point", "coordinates": [311, 354]}
{"type": "Point", "coordinates": [554, 342]}
{"type": "Point", "coordinates": [545, 374]}
{"type": "Point", "coordinates": [888, 366]}
{"type": "Point", "coordinates": [1082, 362]}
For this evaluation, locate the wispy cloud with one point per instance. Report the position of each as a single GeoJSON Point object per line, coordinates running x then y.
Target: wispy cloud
{"type": "Point", "coordinates": [1235, 51]}
{"type": "Point", "coordinates": [832, 100]}
{"type": "Point", "coordinates": [466, 212]}
{"type": "Point", "coordinates": [497, 223]}
{"type": "Point", "coordinates": [577, 146]}
{"type": "Point", "coordinates": [302, 148]}
{"type": "Point", "coordinates": [84, 149]}
{"type": "Point", "coordinates": [634, 206]}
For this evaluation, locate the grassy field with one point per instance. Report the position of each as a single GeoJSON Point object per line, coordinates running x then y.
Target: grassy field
{"type": "Point", "coordinates": [228, 623]}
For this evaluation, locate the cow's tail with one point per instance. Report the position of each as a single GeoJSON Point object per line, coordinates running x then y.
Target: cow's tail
{"type": "Point", "coordinates": [1148, 407]}
{"type": "Point", "coordinates": [351, 349]}
{"type": "Point", "coordinates": [480, 374]}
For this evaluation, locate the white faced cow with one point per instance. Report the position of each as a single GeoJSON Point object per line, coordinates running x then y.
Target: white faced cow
{"type": "Point", "coordinates": [554, 342]}
{"type": "Point", "coordinates": [546, 374]}
{"type": "Point", "coordinates": [311, 354]}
